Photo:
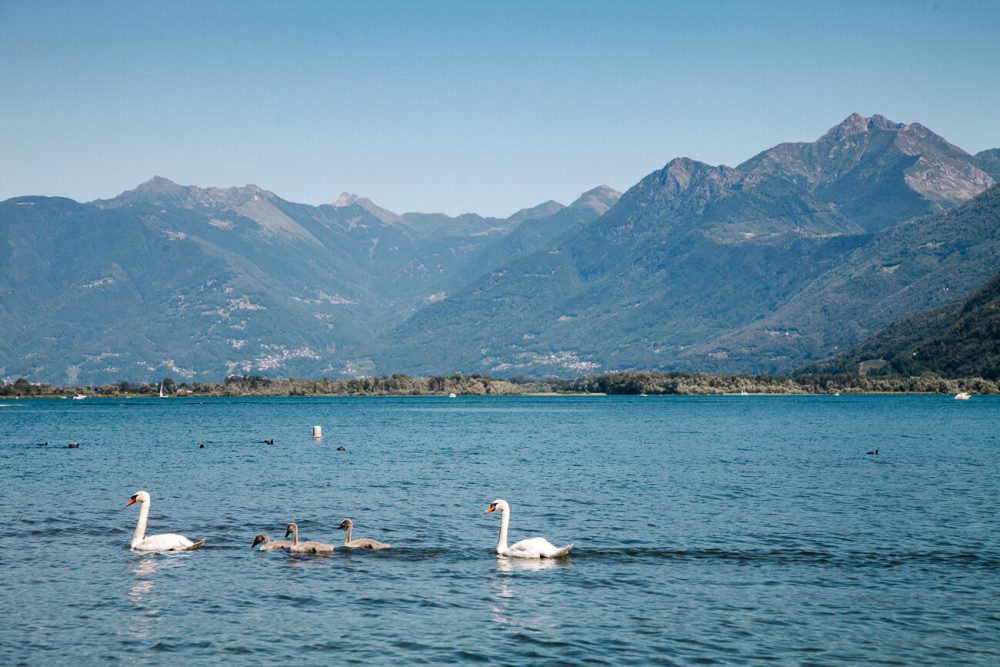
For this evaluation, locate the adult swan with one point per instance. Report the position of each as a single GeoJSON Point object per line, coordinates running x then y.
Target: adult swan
{"type": "Point", "coordinates": [533, 547]}
{"type": "Point", "coordinates": [154, 543]}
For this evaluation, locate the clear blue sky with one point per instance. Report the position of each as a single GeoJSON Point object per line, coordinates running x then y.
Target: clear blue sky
{"type": "Point", "coordinates": [465, 106]}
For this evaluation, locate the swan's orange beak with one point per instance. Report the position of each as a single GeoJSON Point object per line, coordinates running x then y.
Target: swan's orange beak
{"type": "Point", "coordinates": [130, 501]}
{"type": "Point", "coordinates": [490, 509]}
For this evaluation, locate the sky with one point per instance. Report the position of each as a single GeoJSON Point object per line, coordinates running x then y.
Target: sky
{"type": "Point", "coordinates": [455, 107]}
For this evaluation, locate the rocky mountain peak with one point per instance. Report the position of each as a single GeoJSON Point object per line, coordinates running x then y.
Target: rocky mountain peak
{"type": "Point", "coordinates": [162, 191]}
{"type": "Point", "coordinates": [159, 185]}
{"type": "Point", "coordinates": [348, 199]}
{"type": "Point", "coordinates": [598, 199]}
{"type": "Point", "coordinates": [682, 174]}
{"type": "Point", "coordinates": [853, 124]}
{"type": "Point", "coordinates": [880, 122]}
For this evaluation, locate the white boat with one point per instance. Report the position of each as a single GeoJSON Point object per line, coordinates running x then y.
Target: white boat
{"type": "Point", "coordinates": [963, 396]}
{"type": "Point", "coordinates": [79, 397]}
{"type": "Point", "coordinates": [451, 396]}
{"type": "Point", "coordinates": [162, 395]}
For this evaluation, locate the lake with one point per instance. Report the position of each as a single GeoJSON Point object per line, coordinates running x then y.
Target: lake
{"type": "Point", "coordinates": [707, 530]}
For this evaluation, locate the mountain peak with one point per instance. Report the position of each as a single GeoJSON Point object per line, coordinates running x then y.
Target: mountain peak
{"type": "Point", "coordinates": [163, 191]}
{"type": "Point", "coordinates": [858, 124]}
{"type": "Point", "coordinates": [159, 185]}
{"type": "Point", "coordinates": [853, 124]}
{"type": "Point", "coordinates": [347, 199]}
{"type": "Point", "coordinates": [880, 122]}
{"type": "Point", "coordinates": [542, 210]}
{"type": "Point", "coordinates": [599, 199]}
{"type": "Point", "coordinates": [682, 173]}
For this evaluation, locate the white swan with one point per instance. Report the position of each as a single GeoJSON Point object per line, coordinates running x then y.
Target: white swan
{"type": "Point", "coordinates": [153, 543]}
{"type": "Point", "coordinates": [360, 543]}
{"type": "Point", "coordinates": [305, 547]}
{"type": "Point", "coordinates": [533, 547]}
{"type": "Point", "coordinates": [267, 544]}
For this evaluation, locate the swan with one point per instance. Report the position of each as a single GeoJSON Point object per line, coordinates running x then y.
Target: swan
{"type": "Point", "coordinates": [305, 547]}
{"type": "Point", "coordinates": [153, 543]}
{"type": "Point", "coordinates": [533, 547]}
{"type": "Point", "coordinates": [362, 543]}
{"type": "Point", "coordinates": [267, 544]}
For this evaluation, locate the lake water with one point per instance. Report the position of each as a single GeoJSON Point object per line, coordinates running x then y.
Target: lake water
{"type": "Point", "coordinates": [708, 530]}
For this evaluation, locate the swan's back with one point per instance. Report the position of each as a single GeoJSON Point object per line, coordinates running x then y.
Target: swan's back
{"type": "Point", "coordinates": [365, 543]}
{"type": "Point", "coordinates": [537, 547]}
{"type": "Point", "coordinates": [311, 547]}
{"type": "Point", "coordinates": [167, 542]}
{"type": "Point", "coordinates": [267, 544]}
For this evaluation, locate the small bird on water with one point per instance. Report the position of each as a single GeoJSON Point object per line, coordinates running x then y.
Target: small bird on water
{"type": "Point", "coordinates": [268, 442]}
{"type": "Point", "coordinates": [341, 449]}
{"type": "Point", "coordinates": [73, 445]}
{"type": "Point", "coordinates": [873, 452]}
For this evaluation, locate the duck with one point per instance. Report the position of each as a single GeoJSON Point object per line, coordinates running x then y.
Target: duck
{"type": "Point", "coordinates": [267, 544]}
{"type": "Point", "coordinates": [73, 445]}
{"type": "Point", "coordinates": [533, 547]}
{"type": "Point", "coordinates": [873, 452]}
{"type": "Point", "coordinates": [341, 449]}
{"type": "Point", "coordinates": [361, 543]}
{"type": "Point", "coordinates": [309, 547]}
{"type": "Point", "coordinates": [155, 543]}
{"type": "Point", "coordinates": [268, 442]}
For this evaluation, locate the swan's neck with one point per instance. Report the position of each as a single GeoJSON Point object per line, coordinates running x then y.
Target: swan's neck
{"type": "Point", "coordinates": [347, 536]}
{"type": "Point", "coordinates": [140, 525]}
{"type": "Point", "coordinates": [504, 523]}
{"type": "Point", "coordinates": [295, 535]}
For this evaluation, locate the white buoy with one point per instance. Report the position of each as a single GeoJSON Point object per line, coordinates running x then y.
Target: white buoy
{"type": "Point", "coordinates": [317, 432]}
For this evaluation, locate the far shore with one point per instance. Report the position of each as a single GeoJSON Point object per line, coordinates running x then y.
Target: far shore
{"type": "Point", "coordinates": [621, 383]}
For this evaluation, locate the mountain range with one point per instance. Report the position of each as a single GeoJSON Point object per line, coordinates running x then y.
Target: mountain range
{"type": "Point", "coordinates": [795, 255]}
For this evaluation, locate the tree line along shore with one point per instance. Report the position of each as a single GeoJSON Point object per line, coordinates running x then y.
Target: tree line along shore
{"type": "Point", "coordinates": [617, 383]}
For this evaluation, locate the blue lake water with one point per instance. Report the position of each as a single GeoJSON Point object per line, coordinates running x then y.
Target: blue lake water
{"type": "Point", "coordinates": [708, 530]}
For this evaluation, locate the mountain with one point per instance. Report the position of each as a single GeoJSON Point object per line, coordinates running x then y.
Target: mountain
{"type": "Point", "coordinates": [795, 255]}
{"type": "Point", "coordinates": [959, 339]}
{"type": "Point", "coordinates": [913, 266]}
{"type": "Point", "coordinates": [693, 255]}
{"type": "Point", "coordinates": [197, 283]}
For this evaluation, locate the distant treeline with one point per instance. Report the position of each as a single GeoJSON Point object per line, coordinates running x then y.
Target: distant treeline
{"type": "Point", "coordinates": [627, 382]}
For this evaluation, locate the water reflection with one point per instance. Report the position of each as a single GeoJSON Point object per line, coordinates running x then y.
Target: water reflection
{"type": "Point", "coordinates": [140, 623]}
{"type": "Point", "coordinates": [508, 608]}
{"type": "Point", "coordinates": [309, 561]}
{"type": "Point", "coordinates": [143, 570]}
{"type": "Point", "coordinates": [508, 565]}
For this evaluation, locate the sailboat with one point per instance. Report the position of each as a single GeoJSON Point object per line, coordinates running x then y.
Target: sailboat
{"type": "Point", "coordinates": [162, 395]}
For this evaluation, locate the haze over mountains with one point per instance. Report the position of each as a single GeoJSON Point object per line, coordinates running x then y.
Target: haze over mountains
{"type": "Point", "coordinates": [793, 256]}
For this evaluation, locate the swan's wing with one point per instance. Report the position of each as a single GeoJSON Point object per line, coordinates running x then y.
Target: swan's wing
{"type": "Point", "coordinates": [365, 543]}
{"type": "Point", "coordinates": [195, 545]}
{"type": "Point", "coordinates": [167, 542]}
{"type": "Point", "coordinates": [312, 548]}
{"type": "Point", "coordinates": [276, 545]}
{"type": "Point", "coordinates": [533, 547]}
{"type": "Point", "coordinates": [559, 552]}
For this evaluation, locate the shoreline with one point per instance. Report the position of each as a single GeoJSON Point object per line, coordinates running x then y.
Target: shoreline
{"type": "Point", "coordinates": [636, 383]}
